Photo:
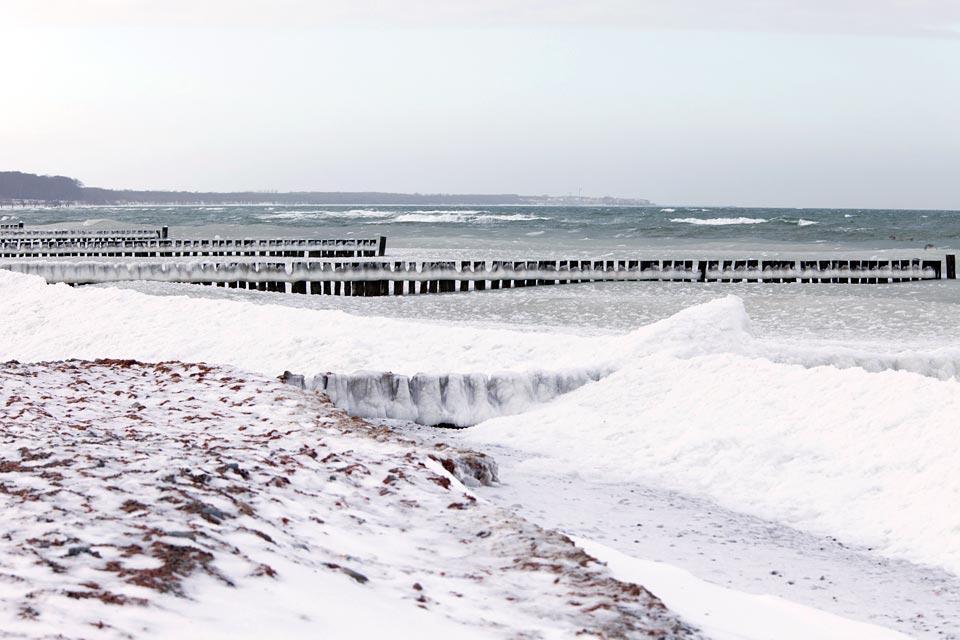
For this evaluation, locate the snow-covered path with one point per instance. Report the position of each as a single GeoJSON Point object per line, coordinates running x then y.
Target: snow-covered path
{"type": "Point", "coordinates": [724, 547]}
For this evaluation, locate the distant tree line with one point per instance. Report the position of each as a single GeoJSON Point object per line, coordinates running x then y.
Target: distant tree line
{"type": "Point", "coordinates": [18, 186]}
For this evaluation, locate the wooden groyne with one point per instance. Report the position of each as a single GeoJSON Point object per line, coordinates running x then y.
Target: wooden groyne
{"type": "Point", "coordinates": [19, 233]}
{"type": "Point", "coordinates": [166, 248]}
{"type": "Point", "coordinates": [373, 278]}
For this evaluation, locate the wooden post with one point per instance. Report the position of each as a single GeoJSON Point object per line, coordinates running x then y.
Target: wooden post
{"type": "Point", "coordinates": [382, 246]}
{"type": "Point", "coordinates": [702, 267]}
{"type": "Point", "coordinates": [712, 265]}
{"type": "Point", "coordinates": [479, 267]}
{"type": "Point", "coordinates": [951, 266]}
{"type": "Point", "coordinates": [397, 284]}
{"type": "Point", "coordinates": [465, 267]}
{"type": "Point", "coordinates": [411, 268]}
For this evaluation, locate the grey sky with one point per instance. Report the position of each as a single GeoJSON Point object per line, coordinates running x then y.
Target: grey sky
{"type": "Point", "coordinates": [778, 102]}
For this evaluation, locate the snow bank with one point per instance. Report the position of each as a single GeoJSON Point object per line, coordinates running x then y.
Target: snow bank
{"type": "Point", "coordinates": [52, 322]}
{"type": "Point", "coordinates": [866, 457]}
{"type": "Point", "coordinates": [843, 440]}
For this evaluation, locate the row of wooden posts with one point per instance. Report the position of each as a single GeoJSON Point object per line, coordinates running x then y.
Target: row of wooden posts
{"type": "Point", "coordinates": [370, 278]}
{"type": "Point", "coordinates": [12, 233]}
{"type": "Point", "coordinates": [278, 248]}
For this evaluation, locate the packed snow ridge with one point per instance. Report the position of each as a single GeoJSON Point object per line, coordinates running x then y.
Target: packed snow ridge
{"type": "Point", "coordinates": [184, 500]}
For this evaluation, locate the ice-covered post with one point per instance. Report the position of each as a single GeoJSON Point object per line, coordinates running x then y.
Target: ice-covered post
{"type": "Point", "coordinates": [465, 267]}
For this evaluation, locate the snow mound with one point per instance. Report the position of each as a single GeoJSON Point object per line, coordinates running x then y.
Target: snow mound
{"type": "Point", "coordinates": [177, 500]}
{"type": "Point", "coordinates": [869, 457]}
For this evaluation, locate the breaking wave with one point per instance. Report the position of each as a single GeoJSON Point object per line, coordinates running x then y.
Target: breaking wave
{"type": "Point", "coordinates": [719, 221]}
{"type": "Point", "coordinates": [381, 216]}
{"type": "Point", "coordinates": [464, 217]}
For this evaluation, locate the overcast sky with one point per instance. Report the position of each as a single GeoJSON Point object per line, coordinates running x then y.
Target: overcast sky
{"type": "Point", "coordinates": [843, 103]}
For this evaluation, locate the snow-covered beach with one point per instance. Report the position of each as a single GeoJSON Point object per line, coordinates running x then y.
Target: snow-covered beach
{"type": "Point", "coordinates": [182, 500]}
{"type": "Point", "coordinates": [721, 454]}
{"type": "Point", "coordinates": [480, 319]}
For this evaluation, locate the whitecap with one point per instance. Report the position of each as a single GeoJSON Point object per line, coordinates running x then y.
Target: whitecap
{"type": "Point", "coordinates": [719, 221]}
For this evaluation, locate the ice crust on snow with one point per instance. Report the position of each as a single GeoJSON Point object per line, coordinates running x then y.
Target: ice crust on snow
{"type": "Point", "coordinates": [459, 400]}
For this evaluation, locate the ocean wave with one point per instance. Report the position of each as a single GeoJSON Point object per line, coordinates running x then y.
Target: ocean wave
{"type": "Point", "coordinates": [383, 216]}
{"type": "Point", "coordinates": [806, 223]}
{"type": "Point", "coordinates": [719, 221]}
{"type": "Point", "coordinates": [464, 217]}
{"type": "Point", "coordinates": [320, 214]}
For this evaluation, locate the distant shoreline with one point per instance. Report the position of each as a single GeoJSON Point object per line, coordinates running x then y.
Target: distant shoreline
{"type": "Point", "coordinates": [28, 189]}
{"type": "Point", "coordinates": [87, 205]}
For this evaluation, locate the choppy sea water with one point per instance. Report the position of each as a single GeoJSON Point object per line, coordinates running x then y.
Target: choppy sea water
{"type": "Point", "coordinates": [543, 230]}
{"type": "Point", "coordinates": [906, 314]}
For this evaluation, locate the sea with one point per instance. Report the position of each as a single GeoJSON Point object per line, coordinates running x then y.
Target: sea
{"type": "Point", "coordinates": [548, 230]}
